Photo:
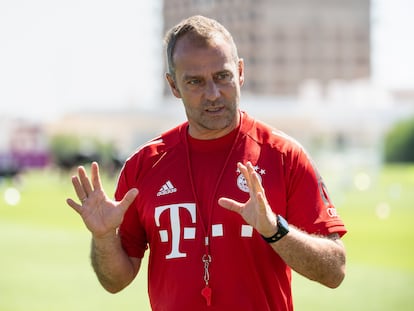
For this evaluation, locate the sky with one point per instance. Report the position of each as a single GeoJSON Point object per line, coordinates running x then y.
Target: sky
{"type": "Point", "coordinates": [61, 55]}
{"type": "Point", "coordinates": [58, 56]}
{"type": "Point", "coordinates": [392, 43]}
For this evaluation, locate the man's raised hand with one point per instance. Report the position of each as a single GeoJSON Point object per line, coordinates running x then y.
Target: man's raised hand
{"type": "Point", "coordinates": [101, 215]}
{"type": "Point", "coordinates": [255, 211]}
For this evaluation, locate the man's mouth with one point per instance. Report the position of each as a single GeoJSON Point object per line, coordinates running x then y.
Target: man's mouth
{"type": "Point", "coordinates": [213, 109]}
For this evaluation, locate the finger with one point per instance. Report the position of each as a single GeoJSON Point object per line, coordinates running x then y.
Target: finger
{"type": "Point", "coordinates": [74, 205]}
{"type": "Point", "coordinates": [253, 178]}
{"type": "Point", "coordinates": [245, 173]}
{"type": "Point", "coordinates": [84, 180]}
{"type": "Point", "coordinates": [78, 188]}
{"type": "Point", "coordinates": [128, 198]}
{"type": "Point", "coordinates": [258, 190]}
{"type": "Point", "coordinates": [96, 179]}
{"type": "Point", "coordinates": [231, 205]}
{"type": "Point", "coordinates": [249, 174]}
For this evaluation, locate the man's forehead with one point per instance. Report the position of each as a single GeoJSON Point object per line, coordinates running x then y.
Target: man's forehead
{"type": "Point", "coordinates": [208, 66]}
{"type": "Point", "coordinates": [188, 45]}
{"type": "Point", "coordinates": [203, 72]}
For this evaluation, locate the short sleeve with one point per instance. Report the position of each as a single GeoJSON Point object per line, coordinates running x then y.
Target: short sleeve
{"type": "Point", "coordinates": [309, 206]}
{"type": "Point", "coordinates": [132, 233]}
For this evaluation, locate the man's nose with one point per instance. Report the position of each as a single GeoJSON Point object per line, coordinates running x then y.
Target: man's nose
{"type": "Point", "coordinates": [212, 90]}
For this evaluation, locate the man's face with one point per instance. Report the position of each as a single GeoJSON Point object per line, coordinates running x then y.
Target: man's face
{"type": "Point", "coordinates": [208, 81]}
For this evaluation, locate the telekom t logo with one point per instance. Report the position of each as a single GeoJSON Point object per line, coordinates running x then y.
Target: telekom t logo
{"type": "Point", "coordinates": [189, 232]}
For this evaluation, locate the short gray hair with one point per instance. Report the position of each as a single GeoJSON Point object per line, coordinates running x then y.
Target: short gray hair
{"type": "Point", "coordinates": [201, 29]}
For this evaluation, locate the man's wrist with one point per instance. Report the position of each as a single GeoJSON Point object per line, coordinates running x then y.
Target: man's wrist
{"type": "Point", "coordinates": [282, 230]}
{"type": "Point", "coordinates": [106, 237]}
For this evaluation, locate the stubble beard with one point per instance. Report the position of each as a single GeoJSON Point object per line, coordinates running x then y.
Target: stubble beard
{"type": "Point", "coordinates": [221, 121]}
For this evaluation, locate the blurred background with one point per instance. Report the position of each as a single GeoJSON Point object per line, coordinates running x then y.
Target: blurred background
{"type": "Point", "coordinates": [84, 80]}
{"type": "Point", "coordinates": [333, 74]}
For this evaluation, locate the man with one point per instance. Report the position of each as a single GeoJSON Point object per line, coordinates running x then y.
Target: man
{"type": "Point", "coordinates": [227, 205]}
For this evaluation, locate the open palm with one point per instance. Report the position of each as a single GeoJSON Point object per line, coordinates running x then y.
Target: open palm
{"type": "Point", "coordinates": [255, 211]}
{"type": "Point", "coordinates": [100, 214]}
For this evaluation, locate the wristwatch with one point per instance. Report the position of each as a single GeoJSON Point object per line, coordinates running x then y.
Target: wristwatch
{"type": "Point", "coordinates": [282, 230]}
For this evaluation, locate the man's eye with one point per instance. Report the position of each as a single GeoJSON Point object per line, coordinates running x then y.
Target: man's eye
{"type": "Point", "coordinates": [194, 81]}
{"type": "Point", "coordinates": [223, 76]}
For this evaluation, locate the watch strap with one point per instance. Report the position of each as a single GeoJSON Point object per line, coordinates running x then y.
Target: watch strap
{"type": "Point", "coordinates": [282, 230]}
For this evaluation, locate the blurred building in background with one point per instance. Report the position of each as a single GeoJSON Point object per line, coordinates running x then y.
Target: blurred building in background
{"type": "Point", "coordinates": [284, 43]}
{"type": "Point", "coordinates": [307, 73]}
{"type": "Point", "coordinates": [23, 145]}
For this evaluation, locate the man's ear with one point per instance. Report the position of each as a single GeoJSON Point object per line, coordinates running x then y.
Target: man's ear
{"type": "Point", "coordinates": [173, 86]}
{"type": "Point", "coordinates": [241, 71]}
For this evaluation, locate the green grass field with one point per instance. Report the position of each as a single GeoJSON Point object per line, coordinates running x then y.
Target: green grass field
{"type": "Point", "coordinates": [44, 250]}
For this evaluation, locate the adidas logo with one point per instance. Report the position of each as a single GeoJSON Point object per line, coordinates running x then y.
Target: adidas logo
{"type": "Point", "coordinates": [167, 188]}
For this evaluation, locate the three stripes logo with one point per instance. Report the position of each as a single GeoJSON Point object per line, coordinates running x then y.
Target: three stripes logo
{"type": "Point", "coordinates": [167, 188]}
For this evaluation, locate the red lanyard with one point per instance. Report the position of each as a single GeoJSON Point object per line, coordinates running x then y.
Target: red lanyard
{"type": "Point", "coordinates": [206, 259]}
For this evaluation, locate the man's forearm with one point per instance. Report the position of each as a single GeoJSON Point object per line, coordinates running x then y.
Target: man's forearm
{"type": "Point", "coordinates": [113, 267]}
{"type": "Point", "coordinates": [320, 259]}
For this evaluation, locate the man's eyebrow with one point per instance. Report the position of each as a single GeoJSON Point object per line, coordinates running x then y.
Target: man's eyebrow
{"type": "Point", "coordinates": [226, 71]}
{"type": "Point", "coordinates": [187, 77]}
{"type": "Point", "coordinates": [190, 77]}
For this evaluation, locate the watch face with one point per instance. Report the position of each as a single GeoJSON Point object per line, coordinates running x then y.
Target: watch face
{"type": "Point", "coordinates": [283, 224]}
{"type": "Point", "coordinates": [282, 230]}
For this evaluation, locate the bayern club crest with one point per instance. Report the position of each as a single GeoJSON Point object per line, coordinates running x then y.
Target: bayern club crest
{"type": "Point", "coordinates": [241, 181]}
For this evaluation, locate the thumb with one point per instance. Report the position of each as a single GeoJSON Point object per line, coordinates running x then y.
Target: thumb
{"type": "Point", "coordinates": [231, 205]}
{"type": "Point", "coordinates": [128, 198]}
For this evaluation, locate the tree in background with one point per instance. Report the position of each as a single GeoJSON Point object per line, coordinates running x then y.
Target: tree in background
{"type": "Point", "coordinates": [399, 143]}
{"type": "Point", "coordinates": [69, 151]}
